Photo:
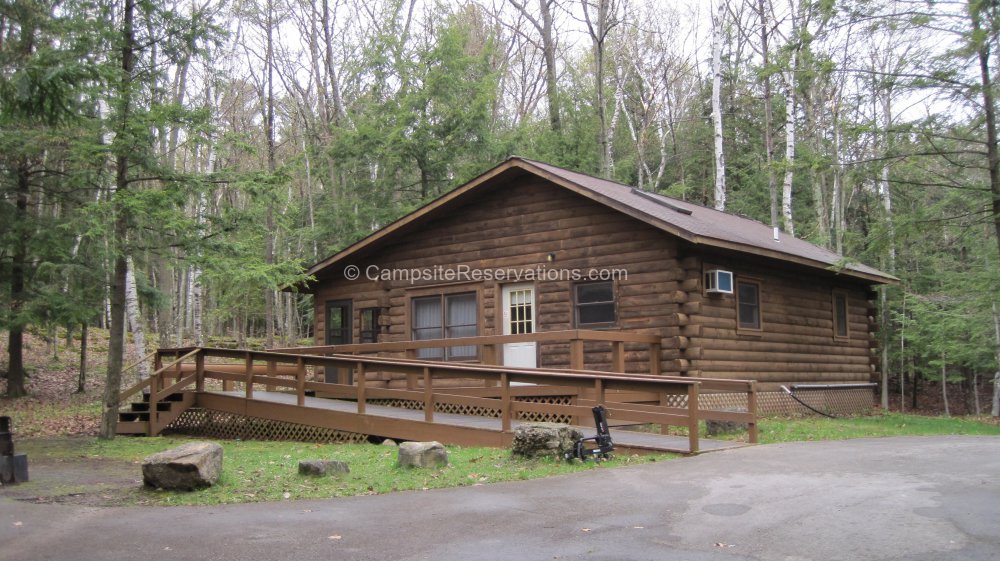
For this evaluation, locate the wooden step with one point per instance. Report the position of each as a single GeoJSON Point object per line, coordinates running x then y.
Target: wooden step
{"type": "Point", "coordinates": [143, 406]}
{"type": "Point", "coordinates": [172, 397]}
{"type": "Point", "coordinates": [133, 427]}
{"type": "Point", "coordinates": [133, 416]}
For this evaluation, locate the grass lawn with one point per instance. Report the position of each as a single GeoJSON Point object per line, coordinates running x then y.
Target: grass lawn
{"type": "Point", "coordinates": [268, 471]}
{"type": "Point", "coordinates": [882, 424]}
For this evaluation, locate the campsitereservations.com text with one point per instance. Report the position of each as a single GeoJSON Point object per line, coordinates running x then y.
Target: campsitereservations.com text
{"type": "Point", "coordinates": [465, 273]}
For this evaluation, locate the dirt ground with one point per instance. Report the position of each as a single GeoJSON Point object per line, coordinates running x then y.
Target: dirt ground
{"type": "Point", "coordinates": [60, 471]}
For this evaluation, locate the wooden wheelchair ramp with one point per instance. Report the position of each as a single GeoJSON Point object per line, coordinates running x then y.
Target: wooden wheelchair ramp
{"type": "Point", "coordinates": [438, 398]}
{"type": "Point", "coordinates": [407, 424]}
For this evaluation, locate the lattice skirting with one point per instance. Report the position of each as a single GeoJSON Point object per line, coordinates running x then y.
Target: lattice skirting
{"type": "Point", "coordinates": [855, 401]}
{"type": "Point", "coordinates": [485, 411]}
{"type": "Point", "coordinates": [229, 426]}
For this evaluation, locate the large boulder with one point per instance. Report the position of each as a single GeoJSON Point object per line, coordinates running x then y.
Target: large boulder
{"type": "Point", "coordinates": [184, 468]}
{"type": "Point", "coordinates": [537, 440]}
{"type": "Point", "coordinates": [322, 467]}
{"type": "Point", "coordinates": [422, 454]}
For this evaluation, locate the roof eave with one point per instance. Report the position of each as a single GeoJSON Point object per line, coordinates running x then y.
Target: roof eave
{"type": "Point", "coordinates": [812, 263]}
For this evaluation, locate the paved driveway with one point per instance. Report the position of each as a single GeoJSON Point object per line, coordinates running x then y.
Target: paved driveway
{"type": "Point", "coordinates": [933, 498]}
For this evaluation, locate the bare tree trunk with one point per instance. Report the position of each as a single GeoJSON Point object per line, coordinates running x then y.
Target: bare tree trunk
{"type": "Point", "coordinates": [546, 30]}
{"type": "Point", "coordinates": [786, 189]}
{"type": "Point", "coordinates": [975, 393]}
{"type": "Point", "coordinates": [720, 158]}
{"type": "Point", "coordinates": [995, 410]}
{"type": "Point", "coordinates": [189, 301]}
{"type": "Point", "coordinates": [271, 166]}
{"type": "Point", "coordinates": [886, 196]}
{"type": "Point", "coordinates": [944, 385]}
{"type": "Point", "coordinates": [884, 336]}
{"type": "Point", "coordinates": [837, 193]}
{"type": "Point", "coordinates": [902, 369]}
{"type": "Point", "coordinates": [135, 317]}
{"type": "Point", "coordinates": [181, 300]}
{"type": "Point", "coordinates": [989, 111]}
{"type": "Point", "coordinates": [331, 69]}
{"type": "Point", "coordinates": [598, 31]}
{"type": "Point", "coordinates": [772, 184]}
{"type": "Point", "coordinates": [81, 378]}
{"type": "Point", "coordinates": [112, 389]}
{"type": "Point", "coordinates": [15, 335]}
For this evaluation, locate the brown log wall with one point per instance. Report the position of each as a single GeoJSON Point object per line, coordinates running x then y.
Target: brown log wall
{"type": "Point", "coordinates": [796, 342]}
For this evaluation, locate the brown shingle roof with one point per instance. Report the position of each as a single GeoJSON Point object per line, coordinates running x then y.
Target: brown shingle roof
{"type": "Point", "coordinates": [703, 225]}
{"type": "Point", "coordinates": [694, 223]}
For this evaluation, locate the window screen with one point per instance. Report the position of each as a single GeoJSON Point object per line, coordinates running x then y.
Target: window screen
{"type": "Point", "coordinates": [749, 304]}
{"type": "Point", "coordinates": [595, 304]}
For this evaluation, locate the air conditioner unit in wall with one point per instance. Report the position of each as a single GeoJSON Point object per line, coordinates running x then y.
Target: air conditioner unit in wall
{"type": "Point", "coordinates": [718, 281]}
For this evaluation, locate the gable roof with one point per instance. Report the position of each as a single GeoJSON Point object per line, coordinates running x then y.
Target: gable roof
{"type": "Point", "coordinates": [693, 223]}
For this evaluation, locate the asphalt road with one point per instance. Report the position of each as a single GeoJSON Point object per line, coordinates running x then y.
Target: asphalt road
{"type": "Point", "coordinates": [931, 498]}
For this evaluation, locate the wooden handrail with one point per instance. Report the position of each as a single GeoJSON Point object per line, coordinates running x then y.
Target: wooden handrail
{"type": "Point", "coordinates": [135, 364]}
{"type": "Point", "coordinates": [459, 369]}
{"type": "Point", "coordinates": [140, 385]}
{"type": "Point", "coordinates": [175, 387]}
{"type": "Point", "coordinates": [565, 335]}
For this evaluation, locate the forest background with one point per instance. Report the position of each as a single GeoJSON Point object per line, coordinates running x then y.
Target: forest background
{"type": "Point", "coordinates": [167, 166]}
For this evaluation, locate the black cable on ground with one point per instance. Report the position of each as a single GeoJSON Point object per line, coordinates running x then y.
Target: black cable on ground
{"type": "Point", "coordinates": [806, 405]}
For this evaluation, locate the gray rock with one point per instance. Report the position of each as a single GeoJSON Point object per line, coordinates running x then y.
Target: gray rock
{"type": "Point", "coordinates": [322, 467]}
{"type": "Point", "coordinates": [185, 468]}
{"type": "Point", "coordinates": [713, 428]}
{"type": "Point", "coordinates": [537, 440]}
{"type": "Point", "coordinates": [389, 442]}
{"type": "Point", "coordinates": [422, 454]}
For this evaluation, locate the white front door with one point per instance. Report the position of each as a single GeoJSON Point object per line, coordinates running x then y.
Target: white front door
{"type": "Point", "coordinates": [519, 317]}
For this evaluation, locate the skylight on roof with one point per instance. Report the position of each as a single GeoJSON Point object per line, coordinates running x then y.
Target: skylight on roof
{"type": "Point", "coordinates": [660, 201]}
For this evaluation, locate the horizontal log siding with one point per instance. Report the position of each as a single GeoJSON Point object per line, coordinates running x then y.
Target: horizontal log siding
{"type": "Point", "coordinates": [517, 228]}
{"type": "Point", "coordinates": [796, 343]}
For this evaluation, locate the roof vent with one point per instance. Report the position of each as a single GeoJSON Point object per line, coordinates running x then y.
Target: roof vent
{"type": "Point", "coordinates": [660, 201]}
{"type": "Point", "coordinates": [777, 234]}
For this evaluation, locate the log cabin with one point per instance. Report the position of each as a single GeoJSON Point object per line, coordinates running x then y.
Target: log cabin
{"type": "Point", "coordinates": [529, 247]}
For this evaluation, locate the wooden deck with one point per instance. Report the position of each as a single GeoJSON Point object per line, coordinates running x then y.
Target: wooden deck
{"type": "Point", "coordinates": [334, 413]}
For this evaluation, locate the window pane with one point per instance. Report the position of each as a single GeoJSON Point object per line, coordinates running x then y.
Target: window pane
{"type": "Point", "coordinates": [519, 312]}
{"type": "Point", "coordinates": [426, 312]}
{"type": "Point", "coordinates": [427, 324]}
{"type": "Point", "coordinates": [594, 292]}
{"type": "Point", "coordinates": [338, 323]}
{"type": "Point", "coordinates": [749, 305]}
{"type": "Point", "coordinates": [336, 318]}
{"type": "Point", "coordinates": [840, 301]}
{"type": "Point", "coordinates": [596, 313]}
{"type": "Point", "coordinates": [461, 322]}
{"type": "Point", "coordinates": [462, 309]}
{"type": "Point", "coordinates": [369, 325]}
